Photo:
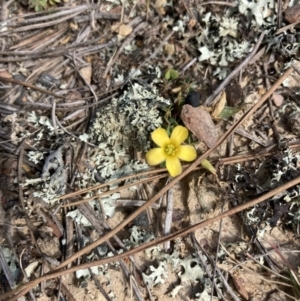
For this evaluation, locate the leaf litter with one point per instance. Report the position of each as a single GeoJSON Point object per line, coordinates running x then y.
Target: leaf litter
{"type": "Point", "coordinates": [82, 89]}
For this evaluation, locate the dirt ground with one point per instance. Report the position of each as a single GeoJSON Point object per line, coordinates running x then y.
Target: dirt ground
{"type": "Point", "coordinates": [84, 86]}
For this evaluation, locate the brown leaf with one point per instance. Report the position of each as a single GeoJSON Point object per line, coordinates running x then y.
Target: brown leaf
{"type": "Point", "coordinates": [169, 49]}
{"type": "Point", "coordinates": [65, 40]}
{"type": "Point", "coordinates": [125, 30]}
{"type": "Point", "coordinates": [292, 14]}
{"type": "Point", "coordinates": [72, 96]}
{"type": "Point", "coordinates": [86, 73]}
{"type": "Point", "coordinates": [115, 27]}
{"type": "Point", "coordinates": [160, 3]}
{"type": "Point", "coordinates": [51, 223]}
{"type": "Point", "coordinates": [74, 26]}
{"type": "Point", "coordinates": [5, 74]}
{"type": "Point", "coordinates": [219, 106]}
{"type": "Point", "coordinates": [199, 122]}
{"type": "Point", "coordinates": [240, 285]}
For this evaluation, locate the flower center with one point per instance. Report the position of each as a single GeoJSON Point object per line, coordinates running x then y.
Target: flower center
{"type": "Point", "coordinates": [171, 150]}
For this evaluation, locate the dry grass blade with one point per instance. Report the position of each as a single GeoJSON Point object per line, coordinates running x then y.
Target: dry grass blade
{"type": "Point", "coordinates": [219, 3]}
{"type": "Point", "coordinates": [42, 25]}
{"type": "Point", "coordinates": [83, 191]}
{"type": "Point", "coordinates": [115, 190]}
{"type": "Point", "coordinates": [168, 219]}
{"type": "Point", "coordinates": [31, 86]}
{"type": "Point", "coordinates": [6, 270]}
{"type": "Point", "coordinates": [56, 12]}
{"type": "Point", "coordinates": [11, 56]}
{"type": "Point", "coordinates": [31, 39]}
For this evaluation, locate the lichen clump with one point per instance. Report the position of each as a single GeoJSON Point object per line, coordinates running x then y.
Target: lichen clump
{"type": "Point", "coordinates": [123, 124]}
{"type": "Point", "coordinates": [129, 120]}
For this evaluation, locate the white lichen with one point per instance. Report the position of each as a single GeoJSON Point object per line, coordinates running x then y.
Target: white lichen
{"type": "Point", "coordinates": [228, 27]}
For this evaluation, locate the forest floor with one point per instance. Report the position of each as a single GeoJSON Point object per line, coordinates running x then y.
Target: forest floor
{"type": "Point", "coordinates": [82, 87]}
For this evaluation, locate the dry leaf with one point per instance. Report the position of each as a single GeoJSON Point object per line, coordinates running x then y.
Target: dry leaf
{"type": "Point", "coordinates": [5, 74]}
{"type": "Point", "coordinates": [74, 26]}
{"type": "Point", "coordinates": [200, 123]}
{"type": "Point", "coordinates": [176, 89]}
{"type": "Point", "coordinates": [115, 10]}
{"type": "Point", "coordinates": [89, 59]}
{"type": "Point", "coordinates": [244, 82]}
{"type": "Point", "coordinates": [219, 106]}
{"type": "Point", "coordinates": [277, 99]}
{"type": "Point", "coordinates": [27, 168]}
{"type": "Point", "coordinates": [86, 73]}
{"type": "Point", "coordinates": [31, 268]}
{"type": "Point", "coordinates": [292, 14]}
{"type": "Point", "coordinates": [261, 90]}
{"type": "Point", "coordinates": [125, 30]}
{"type": "Point", "coordinates": [115, 27]}
{"type": "Point", "coordinates": [240, 285]}
{"type": "Point", "coordinates": [55, 230]}
{"type": "Point", "coordinates": [169, 49]}
{"type": "Point", "coordinates": [65, 40]}
{"type": "Point", "coordinates": [160, 3]}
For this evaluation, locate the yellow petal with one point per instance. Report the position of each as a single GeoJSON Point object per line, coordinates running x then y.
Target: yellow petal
{"type": "Point", "coordinates": [173, 166]}
{"type": "Point", "coordinates": [160, 137]}
{"type": "Point", "coordinates": [155, 156]}
{"type": "Point", "coordinates": [179, 134]}
{"type": "Point", "coordinates": [186, 153]}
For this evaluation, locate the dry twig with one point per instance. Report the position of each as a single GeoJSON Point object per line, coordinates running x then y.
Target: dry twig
{"type": "Point", "coordinates": [31, 86]}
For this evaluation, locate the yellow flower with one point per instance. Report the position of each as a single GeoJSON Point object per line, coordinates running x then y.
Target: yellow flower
{"type": "Point", "coordinates": [170, 149]}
